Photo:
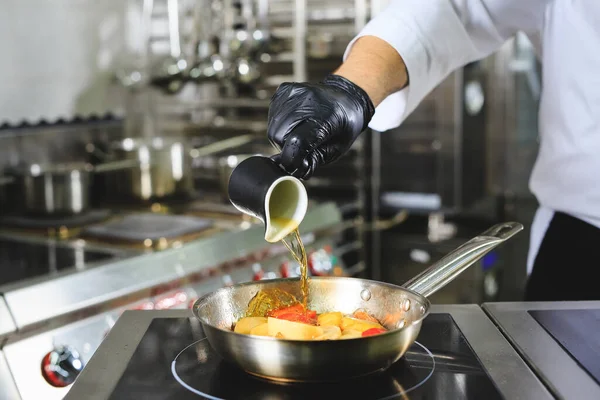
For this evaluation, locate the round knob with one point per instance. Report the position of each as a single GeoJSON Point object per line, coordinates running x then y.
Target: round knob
{"type": "Point", "coordinates": [61, 366]}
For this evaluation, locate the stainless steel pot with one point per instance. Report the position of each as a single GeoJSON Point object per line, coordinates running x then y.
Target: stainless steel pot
{"type": "Point", "coordinates": [400, 309]}
{"type": "Point", "coordinates": [59, 189]}
{"type": "Point", "coordinates": [163, 166]}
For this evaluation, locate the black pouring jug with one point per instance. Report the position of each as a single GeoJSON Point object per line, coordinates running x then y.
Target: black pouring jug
{"type": "Point", "coordinates": [259, 187]}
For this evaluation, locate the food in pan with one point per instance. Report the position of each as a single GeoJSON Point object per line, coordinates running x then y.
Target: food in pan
{"type": "Point", "coordinates": [295, 322]}
{"type": "Point", "coordinates": [277, 313]}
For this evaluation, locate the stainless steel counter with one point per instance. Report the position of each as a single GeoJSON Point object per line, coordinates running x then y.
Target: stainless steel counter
{"type": "Point", "coordinates": [558, 370]}
{"type": "Point", "coordinates": [508, 371]}
{"type": "Point", "coordinates": [8, 389]}
{"type": "Point", "coordinates": [7, 325]}
{"type": "Point", "coordinates": [84, 293]}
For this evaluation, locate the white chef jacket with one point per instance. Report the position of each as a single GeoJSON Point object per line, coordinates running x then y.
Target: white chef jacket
{"type": "Point", "coordinates": [435, 37]}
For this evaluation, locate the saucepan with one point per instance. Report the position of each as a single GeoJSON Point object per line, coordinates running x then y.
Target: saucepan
{"type": "Point", "coordinates": [163, 165]}
{"type": "Point", "coordinates": [400, 309]}
{"type": "Point", "coordinates": [59, 189]}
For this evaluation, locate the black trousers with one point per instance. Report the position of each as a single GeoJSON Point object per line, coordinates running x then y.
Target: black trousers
{"type": "Point", "coordinates": [567, 265]}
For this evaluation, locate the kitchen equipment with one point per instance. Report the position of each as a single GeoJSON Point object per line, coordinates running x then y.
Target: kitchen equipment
{"type": "Point", "coordinates": [259, 187]}
{"type": "Point", "coordinates": [164, 354]}
{"type": "Point", "coordinates": [558, 339]}
{"type": "Point", "coordinates": [83, 296]}
{"type": "Point", "coordinates": [227, 164]}
{"type": "Point", "coordinates": [402, 309]}
{"type": "Point", "coordinates": [168, 74]}
{"type": "Point", "coordinates": [210, 69]}
{"type": "Point", "coordinates": [62, 188]}
{"type": "Point", "coordinates": [163, 166]}
{"type": "Point", "coordinates": [132, 73]}
{"type": "Point", "coordinates": [55, 226]}
{"type": "Point", "coordinates": [571, 328]}
{"type": "Point", "coordinates": [149, 230]}
{"type": "Point", "coordinates": [246, 71]}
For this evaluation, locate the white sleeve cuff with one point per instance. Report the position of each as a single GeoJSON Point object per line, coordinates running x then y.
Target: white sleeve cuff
{"type": "Point", "coordinates": [396, 107]}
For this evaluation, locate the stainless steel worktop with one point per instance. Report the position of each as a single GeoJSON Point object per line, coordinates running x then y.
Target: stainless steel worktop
{"type": "Point", "coordinates": [7, 325]}
{"type": "Point", "coordinates": [559, 371]}
{"type": "Point", "coordinates": [73, 293]}
{"type": "Point", "coordinates": [507, 370]}
{"type": "Point", "coordinates": [8, 389]}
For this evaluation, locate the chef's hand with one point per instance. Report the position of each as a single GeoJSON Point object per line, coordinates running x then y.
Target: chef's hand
{"type": "Point", "coordinates": [314, 124]}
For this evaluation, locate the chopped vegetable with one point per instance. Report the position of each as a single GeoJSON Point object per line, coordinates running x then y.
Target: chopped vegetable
{"type": "Point", "coordinates": [330, 319]}
{"type": "Point", "coordinates": [295, 322]}
{"type": "Point", "coordinates": [351, 334]}
{"type": "Point", "coordinates": [295, 313]}
{"type": "Point", "coordinates": [373, 332]}
{"type": "Point", "coordinates": [260, 330]}
{"type": "Point", "coordinates": [358, 324]}
{"type": "Point", "coordinates": [245, 325]}
{"type": "Point", "coordinates": [330, 333]}
{"type": "Point", "coordinates": [293, 330]}
{"type": "Point", "coordinates": [361, 314]}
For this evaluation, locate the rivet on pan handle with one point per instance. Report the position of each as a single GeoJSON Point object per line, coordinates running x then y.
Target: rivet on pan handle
{"type": "Point", "coordinates": [450, 266]}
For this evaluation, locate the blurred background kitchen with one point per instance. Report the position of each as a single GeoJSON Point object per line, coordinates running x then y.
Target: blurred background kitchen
{"type": "Point", "coordinates": [121, 120]}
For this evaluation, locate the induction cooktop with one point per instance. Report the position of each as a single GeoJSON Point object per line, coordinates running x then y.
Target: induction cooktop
{"type": "Point", "coordinates": [21, 260]}
{"type": "Point", "coordinates": [165, 355]}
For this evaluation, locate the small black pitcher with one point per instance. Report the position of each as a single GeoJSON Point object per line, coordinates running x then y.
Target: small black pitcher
{"type": "Point", "coordinates": [258, 186]}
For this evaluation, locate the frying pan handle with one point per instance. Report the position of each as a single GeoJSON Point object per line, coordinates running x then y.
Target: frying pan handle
{"type": "Point", "coordinates": [450, 266]}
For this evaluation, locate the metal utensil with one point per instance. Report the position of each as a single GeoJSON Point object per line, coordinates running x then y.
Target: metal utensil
{"type": "Point", "coordinates": [169, 72]}
{"type": "Point", "coordinates": [163, 165]}
{"type": "Point", "coordinates": [132, 73]}
{"type": "Point", "coordinates": [60, 189]}
{"type": "Point", "coordinates": [400, 309]}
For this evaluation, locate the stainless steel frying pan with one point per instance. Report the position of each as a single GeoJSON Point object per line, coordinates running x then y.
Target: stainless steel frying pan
{"type": "Point", "coordinates": [400, 309]}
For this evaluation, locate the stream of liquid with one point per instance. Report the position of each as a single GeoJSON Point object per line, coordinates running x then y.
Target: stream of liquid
{"type": "Point", "coordinates": [273, 299]}
{"type": "Point", "coordinates": [294, 244]}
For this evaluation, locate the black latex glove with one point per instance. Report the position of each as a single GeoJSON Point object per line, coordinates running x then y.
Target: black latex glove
{"type": "Point", "coordinates": [315, 124]}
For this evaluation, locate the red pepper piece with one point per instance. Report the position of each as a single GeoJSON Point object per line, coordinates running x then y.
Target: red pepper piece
{"type": "Point", "coordinates": [295, 313]}
{"type": "Point", "coordinates": [373, 332]}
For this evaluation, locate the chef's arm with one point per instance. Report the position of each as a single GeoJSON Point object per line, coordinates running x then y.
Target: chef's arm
{"type": "Point", "coordinates": [396, 60]}
{"type": "Point", "coordinates": [386, 72]}
{"type": "Point", "coordinates": [413, 45]}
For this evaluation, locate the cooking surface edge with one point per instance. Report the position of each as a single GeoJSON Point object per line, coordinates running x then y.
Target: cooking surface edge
{"type": "Point", "coordinates": [509, 373]}
{"type": "Point", "coordinates": [555, 366]}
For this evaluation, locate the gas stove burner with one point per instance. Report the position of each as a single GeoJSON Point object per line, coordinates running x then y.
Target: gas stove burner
{"type": "Point", "coordinates": [199, 369]}
{"type": "Point", "coordinates": [70, 221]}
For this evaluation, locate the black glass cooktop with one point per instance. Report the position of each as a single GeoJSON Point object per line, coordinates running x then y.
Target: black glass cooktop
{"type": "Point", "coordinates": [572, 329]}
{"type": "Point", "coordinates": [174, 361]}
{"type": "Point", "coordinates": [21, 260]}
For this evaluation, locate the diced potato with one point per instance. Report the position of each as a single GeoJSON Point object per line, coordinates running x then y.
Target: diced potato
{"type": "Point", "coordinates": [330, 319]}
{"type": "Point", "coordinates": [330, 333]}
{"type": "Point", "coordinates": [245, 325]}
{"type": "Point", "coordinates": [260, 330]}
{"type": "Point", "coordinates": [351, 334]}
{"type": "Point", "coordinates": [358, 324]}
{"type": "Point", "coordinates": [293, 330]}
{"type": "Point", "coordinates": [365, 316]}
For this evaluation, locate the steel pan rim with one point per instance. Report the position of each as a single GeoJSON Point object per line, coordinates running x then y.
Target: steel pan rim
{"type": "Point", "coordinates": [201, 301]}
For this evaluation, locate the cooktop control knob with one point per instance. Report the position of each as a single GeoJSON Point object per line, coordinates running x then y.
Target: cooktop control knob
{"type": "Point", "coordinates": [61, 366]}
